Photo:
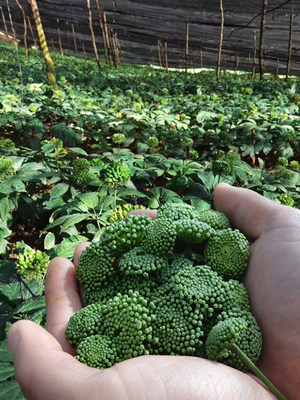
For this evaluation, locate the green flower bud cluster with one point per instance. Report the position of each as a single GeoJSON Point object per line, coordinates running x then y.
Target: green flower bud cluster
{"type": "Point", "coordinates": [118, 138]}
{"type": "Point", "coordinates": [81, 175]}
{"type": "Point", "coordinates": [116, 174]}
{"type": "Point", "coordinates": [286, 199]}
{"type": "Point", "coordinates": [7, 144]}
{"type": "Point", "coordinates": [32, 264]}
{"type": "Point", "coordinates": [121, 211]}
{"type": "Point", "coordinates": [153, 141]}
{"type": "Point", "coordinates": [6, 168]}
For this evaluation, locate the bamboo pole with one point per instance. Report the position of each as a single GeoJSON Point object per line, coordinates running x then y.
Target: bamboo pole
{"type": "Point", "coordinates": [74, 38]}
{"type": "Point", "coordinates": [166, 58]}
{"type": "Point", "coordinates": [277, 69]}
{"type": "Point", "coordinates": [289, 60]}
{"type": "Point", "coordinates": [254, 54]}
{"type": "Point", "coordinates": [59, 39]}
{"type": "Point", "coordinates": [159, 52]}
{"type": "Point", "coordinates": [25, 29]}
{"type": "Point", "coordinates": [236, 60]}
{"type": "Point", "coordinates": [43, 43]}
{"type": "Point", "coordinates": [187, 35]}
{"type": "Point", "coordinates": [221, 41]}
{"type": "Point", "coordinates": [88, 3]}
{"type": "Point", "coordinates": [105, 44]}
{"type": "Point", "coordinates": [262, 39]}
{"type": "Point", "coordinates": [4, 22]}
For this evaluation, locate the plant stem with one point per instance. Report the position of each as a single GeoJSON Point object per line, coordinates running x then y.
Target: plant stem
{"type": "Point", "coordinates": [246, 360]}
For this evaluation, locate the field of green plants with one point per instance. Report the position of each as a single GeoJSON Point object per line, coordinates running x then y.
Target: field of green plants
{"type": "Point", "coordinates": [74, 160]}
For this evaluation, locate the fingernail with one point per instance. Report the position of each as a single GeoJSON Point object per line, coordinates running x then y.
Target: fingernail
{"type": "Point", "coordinates": [13, 338]}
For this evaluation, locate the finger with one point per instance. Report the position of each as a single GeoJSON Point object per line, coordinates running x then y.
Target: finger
{"type": "Point", "coordinates": [151, 213]}
{"type": "Point", "coordinates": [79, 249]}
{"type": "Point", "coordinates": [62, 298]}
{"type": "Point", "coordinates": [248, 211]}
{"type": "Point", "coordinates": [42, 369]}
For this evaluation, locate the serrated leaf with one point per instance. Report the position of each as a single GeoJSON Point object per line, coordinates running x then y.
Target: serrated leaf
{"type": "Point", "coordinates": [17, 184]}
{"type": "Point", "coordinates": [205, 116]}
{"type": "Point", "coordinates": [6, 371]}
{"type": "Point", "coordinates": [32, 304]}
{"type": "Point", "coordinates": [73, 220]}
{"type": "Point", "coordinates": [59, 190]}
{"type": "Point", "coordinates": [7, 268]}
{"type": "Point", "coordinates": [90, 199]}
{"type": "Point", "coordinates": [78, 150]}
{"type": "Point", "coordinates": [10, 390]}
{"type": "Point", "coordinates": [4, 209]}
{"type": "Point", "coordinates": [5, 354]}
{"type": "Point", "coordinates": [49, 241]}
{"type": "Point", "coordinates": [131, 192]}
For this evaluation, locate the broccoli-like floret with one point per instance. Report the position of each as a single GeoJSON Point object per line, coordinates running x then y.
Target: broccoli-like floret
{"type": "Point", "coordinates": [166, 286]}
{"type": "Point", "coordinates": [176, 211]}
{"type": "Point", "coordinates": [215, 219]}
{"type": "Point", "coordinates": [122, 236]}
{"type": "Point", "coordinates": [97, 351]}
{"type": "Point", "coordinates": [116, 174]}
{"type": "Point", "coordinates": [227, 252]}
{"type": "Point", "coordinates": [160, 237]}
{"type": "Point", "coordinates": [84, 323]}
{"type": "Point", "coordinates": [137, 262]}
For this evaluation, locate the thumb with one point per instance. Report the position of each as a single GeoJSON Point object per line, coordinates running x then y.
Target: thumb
{"type": "Point", "coordinates": [42, 369]}
{"type": "Point", "coordinates": [248, 211]}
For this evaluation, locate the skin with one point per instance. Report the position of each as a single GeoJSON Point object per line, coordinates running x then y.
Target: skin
{"type": "Point", "coordinates": [46, 370]}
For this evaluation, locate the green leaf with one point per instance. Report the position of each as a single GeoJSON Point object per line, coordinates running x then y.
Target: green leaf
{"type": "Point", "coordinates": [79, 151]}
{"type": "Point", "coordinates": [4, 209]}
{"type": "Point", "coordinates": [32, 305]}
{"type": "Point", "coordinates": [73, 220]}
{"type": "Point", "coordinates": [90, 199]}
{"type": "Point", "coordinates": [7, 268]}
{"type": "Point", "coordinates": [59, 190]}
{"type": "Point", "coordinates": [10, 390]}
{"type": "Point", "coordinates": [5, 354]}
{"type": "Point", "coordinates": [205, 116]}
{"type": "Point", "coordinates": [49, 241]}
{"type": "Point", "coordinates": [6, 371]}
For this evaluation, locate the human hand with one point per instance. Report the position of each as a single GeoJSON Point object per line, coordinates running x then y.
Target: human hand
{"type": "Point", "coordinates": [46, 369]}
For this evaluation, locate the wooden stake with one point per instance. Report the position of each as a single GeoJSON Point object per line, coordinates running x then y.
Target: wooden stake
{"type": "Point", "coordinates": [105, 44]}
{"type": "Point", "coordinates": [289, 60]}
{"type": "Point", "coordinates": [43, 43]}
{"type": "Point", "coordinates": [4, 22]}
{"type": "Point", "coordinates": [32, 32]}
{"type": "Point", "coordinates": [166, 58]}
{"type": "Point", "coordinates": [236, 60]}
{"type": "Point", "coordinates": [74, 38]}
{"type": "Point", "coordinates": [25, 28]}
{"type": "Point", "coordinates": [187, 34]}
{"type": "Point", "coordinates": [108, 41]}
{"type": "Point", "coordinates": [221, 41]}
{"type": "Point", "coordinates": [254, 54]}
{"type": "Point", "coordinates": [59, 40]}
{"type": "Point", "coordinates": [159, 51]}
{"type": "Point", "coordinates": [88, 3]}
{"type": "Point", "coordinates": [262, 39]}
{"type": "Point", "coordinates": [277, 68]}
